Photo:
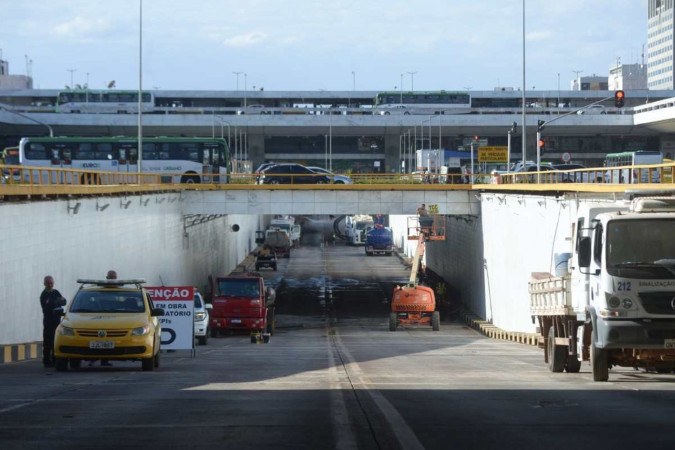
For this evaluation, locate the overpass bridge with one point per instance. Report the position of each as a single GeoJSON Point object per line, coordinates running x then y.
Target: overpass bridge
{"type": "Point", "coordinates": [499, 234]}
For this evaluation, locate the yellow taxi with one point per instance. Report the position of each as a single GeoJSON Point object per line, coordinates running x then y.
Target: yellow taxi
{"type": "Point", "coordinates": [109, 320]}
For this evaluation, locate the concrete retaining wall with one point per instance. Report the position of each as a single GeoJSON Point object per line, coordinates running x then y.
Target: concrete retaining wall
{"type": "Point", "coordinates": [147, 239]}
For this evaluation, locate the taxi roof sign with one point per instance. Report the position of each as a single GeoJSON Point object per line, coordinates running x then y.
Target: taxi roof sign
{"type": "Point", "coordinates": [110, 282]}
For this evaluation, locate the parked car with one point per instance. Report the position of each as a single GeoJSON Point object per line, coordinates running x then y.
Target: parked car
{"type": "Point", "coordinates": [291, 173]}
{"type": "Point", "coordinates": [253, 109]}
{"type": "Point", "coordinates": [201, 314]}
{"type": "Point", "coordinates": [109, 320]}
{"type": "Point", "coordinates": [393, 109]}
{"type": "Point", "coordinates": [593, 109]}
{"type": "Point", "coordinates": [336, 179]}
{"type": "Point", "coordinates": [258, 172]}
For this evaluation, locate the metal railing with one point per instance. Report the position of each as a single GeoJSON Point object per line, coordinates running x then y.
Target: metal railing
{"type": "Point", "coordinates": [23, 180]}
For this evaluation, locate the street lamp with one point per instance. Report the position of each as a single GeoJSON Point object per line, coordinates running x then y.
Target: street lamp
{"type": "Point", "coordinates": [401, 89]}
{"type": "Point", "coordinates": [237, 75]}
{"type": "Point", "coordinates": [245, 89]}
{"type": "Point", "coordinates": [140, 85]}
{"type": "Point", "coordinates": [524, 143]}
{"type": "Point", "coordinates": [353, 81]}
{"type": "Point", "coordinates": [412, 80]}
{"type": "Point", "coordinates": [71, 76]}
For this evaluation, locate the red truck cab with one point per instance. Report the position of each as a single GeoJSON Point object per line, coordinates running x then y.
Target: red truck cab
{"type": "Point", "coordinates": [241, 302]}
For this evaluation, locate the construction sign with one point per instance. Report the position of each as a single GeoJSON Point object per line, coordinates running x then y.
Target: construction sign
{"type": "Point", "coordinates": [493, 154]}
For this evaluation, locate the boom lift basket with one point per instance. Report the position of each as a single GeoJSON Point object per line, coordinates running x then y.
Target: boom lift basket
{"type": "Point", "coordinates": [432, 227]}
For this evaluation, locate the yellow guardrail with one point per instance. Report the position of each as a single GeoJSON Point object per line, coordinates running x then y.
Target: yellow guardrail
{"type": "Point", "coordinates": [26, 181]}
{"type": "Point", "coordinates": [621, 175]}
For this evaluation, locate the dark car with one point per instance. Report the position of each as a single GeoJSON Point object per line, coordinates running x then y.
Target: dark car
{"type": "Point", "coordinates": [262, 167]}
{"type": "Point", "coordinates": [570, 177]}
{"type": "Point", "coordinates": [290, 173]}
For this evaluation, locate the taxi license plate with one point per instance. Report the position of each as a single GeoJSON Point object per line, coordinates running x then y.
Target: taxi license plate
{"type": "Point", "coordinates": [236, 320]}
{"type": "Point", "coordinates": [101, 344]}
{"type": "Point", "coordinates": [669, 343]}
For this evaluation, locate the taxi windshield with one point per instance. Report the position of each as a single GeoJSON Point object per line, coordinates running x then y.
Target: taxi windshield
{"type": "Point", "coordinates": [107, 302]}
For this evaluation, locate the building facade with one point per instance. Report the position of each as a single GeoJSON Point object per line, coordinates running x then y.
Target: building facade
{"type": "Point", "coordinates": [660, 38]}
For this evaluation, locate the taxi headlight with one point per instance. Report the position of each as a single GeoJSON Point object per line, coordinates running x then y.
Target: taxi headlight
{"type": "Point", "coordinates": [66, 331]}
{"type": "Point", "coordinates": [200, 316]}
{"type": "Point", "coordinates": [140, 331]}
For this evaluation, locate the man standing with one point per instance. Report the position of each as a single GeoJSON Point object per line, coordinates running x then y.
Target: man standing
{"type": "Point", "coordinates": [425, 220]}
{"type": "Point", "coordinates": [50, 299]}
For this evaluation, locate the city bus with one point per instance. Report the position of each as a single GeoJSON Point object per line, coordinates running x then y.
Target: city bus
{"type": "Point", "coordinates": [10, 157]}
{"type": "Point", "coordinates": [438, 102]}
{"type": "Point", "coordinates": [631, 175]}
{"type": "Point", "coordinates": [105, 101]}
{"type": "Point", "coordinates": [176, 159]}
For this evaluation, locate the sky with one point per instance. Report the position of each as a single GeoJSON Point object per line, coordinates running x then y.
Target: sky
{"type": "Point", "coordinates": [339, 45]}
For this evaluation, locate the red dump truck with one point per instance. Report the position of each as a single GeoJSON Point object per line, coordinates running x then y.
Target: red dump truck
{"type": "Point", "coordinates": [241, 302]}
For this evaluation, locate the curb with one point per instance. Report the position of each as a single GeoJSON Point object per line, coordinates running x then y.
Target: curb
{"type": "Point", "coordinates": [491, 331]}
{"type": "Point", "coordinates": [20, 352]}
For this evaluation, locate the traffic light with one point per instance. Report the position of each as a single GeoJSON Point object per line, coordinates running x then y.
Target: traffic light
{"type": "Point", "coordinates": [542, 145]}
{"type": "Point", "coordinates": [619, 98]}
{"type": "Point", "coordinates": [514, 127]}
{"type": "Point", "coordinates": [540, 124]}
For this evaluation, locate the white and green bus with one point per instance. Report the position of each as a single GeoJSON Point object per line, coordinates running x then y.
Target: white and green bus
{"type": "Point", "coordinates": [627, 173]}
{"type": "Point", "coordinates": [175, 159]}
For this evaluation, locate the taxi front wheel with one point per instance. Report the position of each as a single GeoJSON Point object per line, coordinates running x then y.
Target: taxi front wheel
{"type": "Point", "coordinates": [61, 364]}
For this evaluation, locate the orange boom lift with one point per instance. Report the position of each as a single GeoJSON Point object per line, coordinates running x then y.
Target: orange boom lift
{"type": "Point", "coordinates": [414, 304]}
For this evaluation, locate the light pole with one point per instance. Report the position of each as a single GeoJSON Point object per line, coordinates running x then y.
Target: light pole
{"type": "Point", "coordinates": [237, 75]}
{"type": "Point", "coordinates": [524, 143]}
{"type": "Point", "coordinates": [140, 85]}
{"type": "Point", "coordinates": [245, 89]}
{"type": "Point", "coordinates": [401, 89]}
{"type": "Point", "coordinates": [71, 76]}
{"type": "Point", "coordinates": [558, 105]}
{"type": "Point", "coordinates": [353, 81]}
{"type": "Point", "coordinates": [412, 79]}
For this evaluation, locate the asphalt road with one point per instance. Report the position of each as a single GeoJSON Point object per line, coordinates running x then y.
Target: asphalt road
{"type": "Point", "coordinates": [333, 376]}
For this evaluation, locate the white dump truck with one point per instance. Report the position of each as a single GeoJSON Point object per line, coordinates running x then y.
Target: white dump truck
{"type": "Point", "coordinates": [615, 305]}
{"type": "Point", "coordinates": [356, 228]}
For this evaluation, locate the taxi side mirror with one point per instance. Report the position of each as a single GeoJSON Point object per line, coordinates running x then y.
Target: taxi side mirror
{"type": "Point", "coordinates": [156, 312]}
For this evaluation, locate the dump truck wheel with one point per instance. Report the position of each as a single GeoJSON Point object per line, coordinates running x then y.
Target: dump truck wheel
{"type": "Point", "coordinates": [573, 364]}
{"type": "Point", "coordinates": [599, 361]}
{"type": "Point", "coordinates": [393, 321]}
{"type": "Point", "coordinates": [436, 321]}
{"type": "Point", "coordinates": [557, 354]}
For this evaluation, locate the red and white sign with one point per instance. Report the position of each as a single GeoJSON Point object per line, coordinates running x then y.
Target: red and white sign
{"type": "Point", "coordinates": [566, 157]}
{"type": "Point", "coordinates": [178, 303]}
{"type": "Point", "coordinates": [171, 293]}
